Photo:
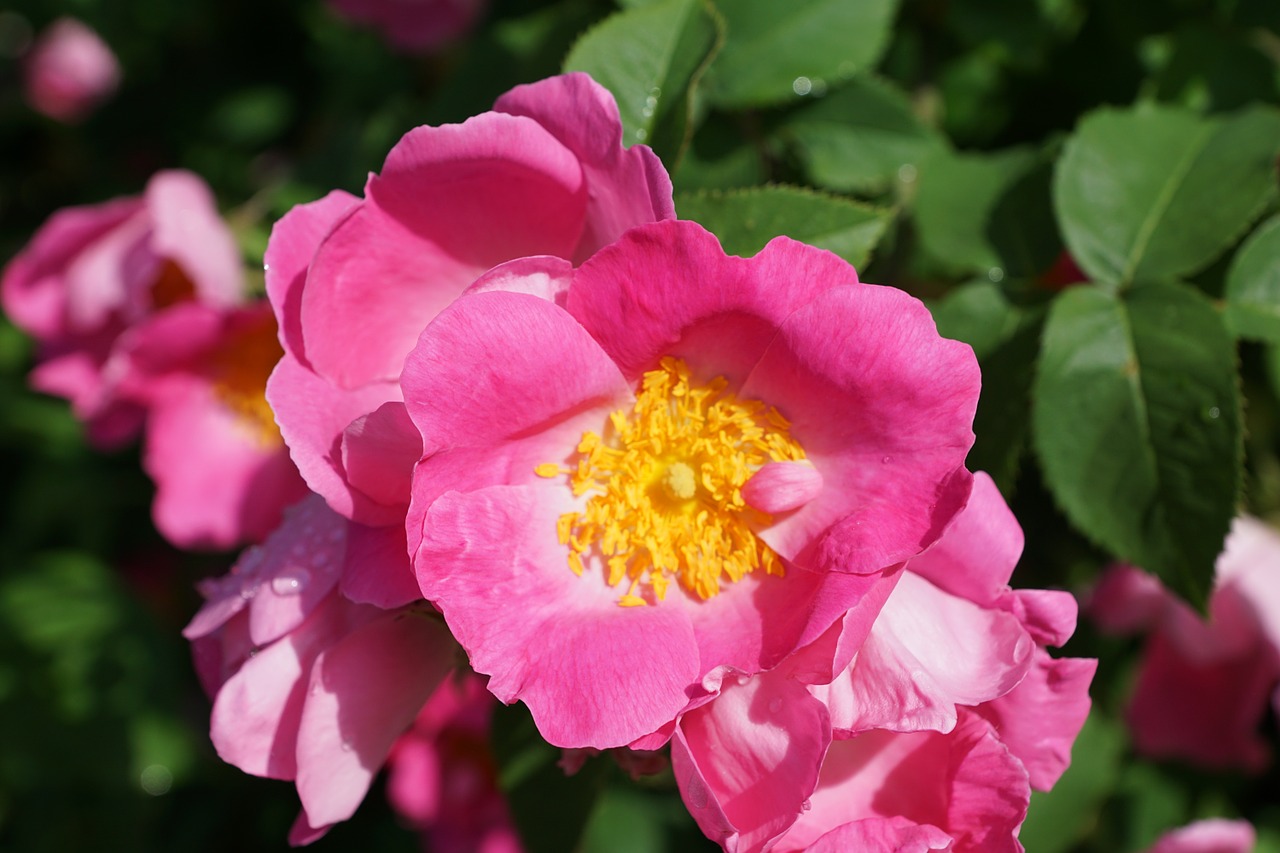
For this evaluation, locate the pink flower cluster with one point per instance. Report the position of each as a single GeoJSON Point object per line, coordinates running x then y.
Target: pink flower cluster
{"type": "Point", "coordinates": [658, 494]}
{"type": "Point", "coordinates": [139, 310]}
{"type": "Point", "coordinates": [69, 71]}
{"type": "Point", "coordinates": [1203, 686]}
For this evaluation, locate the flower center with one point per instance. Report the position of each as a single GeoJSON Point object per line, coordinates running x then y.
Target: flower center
{"type": "Point", "coordinates": [241, 367]}
{"type": "Point", "coordinates": [666, 487]}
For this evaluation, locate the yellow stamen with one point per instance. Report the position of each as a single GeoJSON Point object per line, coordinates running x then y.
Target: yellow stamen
{"type": "Point", "coordinates": [666, 488]}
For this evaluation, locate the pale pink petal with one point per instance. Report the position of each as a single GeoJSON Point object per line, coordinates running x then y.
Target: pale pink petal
{"type": "Point", "coordinates": [1206, 713]}
{"type": "Point", "coordinates": [1215, 835]}
{"type": "Point", "coordinates": [976, 555]}
{"type": "Point", "coordinates": [883, 408]}
{"type": "Point", "coordinates": [257, 711]}
{"type": "Point", "coordinates": [450, 203]}
{"type": "Point", "coordinates": [669, 289]}
{"type": "Point", "coordinates": [629, 187]}
{"type": "Point", "coordinates": [782, 486]}
{"type": "Point", "coordinates": [294, 240]}
{"type": "Point", "coordinates": [1049, 615]}
{"type": "Point", "coordinates": [593, 673]}
{"type": "Point", "coordinates": [302, 833]}
{"type": "Point", "coordinates": [187, 229]}
{"type": "Point", "coordinates": [927, 653]}
{"type": "Point", "coordinates": [887, 835]}
{"type": "Point", "coordinates": [112, 276]}
{"type": "Point", "coordinates": [364, 692]}
{"type": "Point", "coordinates": [312, 414]}
{"type": "Point", "coordinates": [378, 569]}
{"type": "Point", "coordinates": [544, 276]}
{"type": "Point", "coordinates": [1039, 719]}
{"type": "Point", "coordinates": [1126, 600]}
{"type": "Point", "coordinates": [756, 751]}
{"type": "Point", "coordinates": [218, 656]}
{"type": "Point", "coordinates": [379, 451]}
{"type": "Point", "coordinates": [414, 777]}
{"type": "Point", "coordinates": [1250, 564]}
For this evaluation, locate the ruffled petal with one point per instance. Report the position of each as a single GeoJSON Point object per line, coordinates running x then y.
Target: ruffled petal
{"type": "Point", "coordinates": [378, 569]}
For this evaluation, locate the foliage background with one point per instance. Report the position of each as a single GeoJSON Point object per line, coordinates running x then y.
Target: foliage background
{"type": "Point", "coordinates": [953, 148]}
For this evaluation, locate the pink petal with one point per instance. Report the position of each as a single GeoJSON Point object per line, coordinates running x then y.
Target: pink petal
{"type": "Point", "coordinates": [782, 486]}
{"type": "Point", "coordinates": [364, 692]}
{"type": "Point", "coordinates": [629, 187]}
{"type": "Point", "coordinates": [593, 673]}
{"type": "Point", "coordinates": [1039, 719]}
{"type": "Point", "coordinates": [1049, 615]}
{"type": "Point", "coordinates": [187, 229]}
{"type": "Point", "coordinates": [927, 653]}
{"type": "Point", "coordinates": [892, 835]}
{"type": "Point", "coordinates": [451, 202]}
{"type": "Point", "coordinates": [1126, 600]}
{"type": "Point", "coordinates": [1250, 564]}
{"type": "Point", "coordinates": [1215, 835]}
{"type": "Point", "coordinates": [312, 414]}
{"type": "Point", "coordinates": [294, 240]}
{"type": "Point", "coordinates": [883, 408]}
{"type": "Point", "coordinates": [542, 275]}
{"type": "Point", "coordinates": [756, 750]}
{"type": "Point", "coordinates": [302, 833]}
{"type": "Point", "coordinates": [378, 570]}
{"type": "Point", "coordinates": [379, 451]}
{"type": "Point", "coordinates": [669, 289]}
{"type": "Point", "coordinates": [976, 555]}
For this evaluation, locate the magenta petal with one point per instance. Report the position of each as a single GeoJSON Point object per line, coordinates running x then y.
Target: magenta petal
{"type": "Point", "coordinates": [629, 187]}
{"type": "Point", "coordinates": [1126, 600]}
{"type": "Point", "coordinates": [294, 240]}
{"type": "Point", "coordinates": [1208, 836]}
{"type": "Point", "coordinates": [669, 289]}
{"type": "Point", "coordinates": [756, 751]}
{"type": "Point", "coordinates": [929, 652]}
{"type": "Point", "coordinates": [543, 276]}
{"type": "Point", "coordinates": [364, 692]}
{"type": "Point", "coordinates": [976, 555]}
{"type": "Point", "coordinates": [1039, 719]}
{"type": "Point", "coordinates": [312, 414]}
{"type": "Point", "coordinates": [782, 486]}
{"type": "Point", "coordinates": [892, 835]}
{"type": "Point", "coordinates": [379, 451]}
{"type": "Point", "coordinates": [882, 406]}
{"type": "Point", "coordinates": [1049, 615]}
{"type": "Point", "coordinates": [593, 673]}
{"type": "Point", "coordinates": [450, 203]}
{"type": "Point", "coordinates": [303, 833]}
{"type": "Point", "coordinates": [378, 570]}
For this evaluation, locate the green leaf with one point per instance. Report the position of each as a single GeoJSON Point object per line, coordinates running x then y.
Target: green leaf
{"type": "Point", "coordinates": [745, 220]}
{"type": "Point", "coordinates": [858, 138]}
{"type": "Point", "coordinates": [987, 213]}
{"type": "Point", "coordinates": [1136, 420]}
{"type": "Point", "coordinates": [779, 51]}
{"type": "Point", "coordinates": [651, 57]}
{"type": "Point", "coordinates": [1158, 192]}
{"type": "Point", "coordinates": [1253, 285]}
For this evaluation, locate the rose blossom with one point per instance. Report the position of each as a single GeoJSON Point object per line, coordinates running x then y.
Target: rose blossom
{"type": "Point", "coordinates": [92, 273]}
{"type": "Point", "coordinates": [931, 736]}
{"type": "Point", "coordinates": [308, 685]}
{"type": "Point", "coordinates": [69, 71]}
{"type": "Point", "coordinates": [354, 281]}
{"type": "Point", "coordinates": [1207, 836]}
{"type": "Point", "coordinates": [670, 461]}
{"type": "Point", "coordinates": [1203, 687]}
{"type": "Point", "coordinates": [413, 25]}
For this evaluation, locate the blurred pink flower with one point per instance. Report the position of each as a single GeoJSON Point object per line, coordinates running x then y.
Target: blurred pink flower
{"type": "Point", "coordinates": [309, 686]}
{"type": "Point", "coordinates": [580, 511]}
{"type": "Point", "coordinates": [354, 281]}
{"type": "Point", "coordinates": [1203, 687]}
{"type": "Point", "coordinates": [414, 25]}
{"type": "Point", "coordinates": [1207, 836]}
{"type": "Point", "coordinates": [69, 71]}
{"type": "Point", "coordinates": [925, 730]}
{"type": "Point", "coordinates": [93, 273]}
{"type": "Point", "coordinates": [442, 777]}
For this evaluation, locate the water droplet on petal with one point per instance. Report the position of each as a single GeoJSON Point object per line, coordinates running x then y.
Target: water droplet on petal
{"type": "Point", "coordinates": [695, 792]}
{"type": "Point", "coordinates": [775, 705]}
{"type": "Point", "coordinates": [346, 746]}
{"type": "Point", "coordinates": [806, 805]}
{"type": "Point", "coordinates": [886, 459]}
{"type": "Point", "coordinates": [291, 581]}
{"type": "Point", "coordinates": [248, 591]}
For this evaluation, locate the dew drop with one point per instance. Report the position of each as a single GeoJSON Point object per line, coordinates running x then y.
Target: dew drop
{"type": "Point", "coordinates": [907, 173]}
{"type": "Point", "coordinates": [248, 591]}
{"type": "Point", "coordinates": [346, 746]}
{"type": "Point", "coordinates": [806, 805]}
{"type": "Point", "coordinates": [1214, 412]}
{"type": "Point", "coordinates": [995, 274]}
{"type": "Point", "coordinates": [695, 792]}
{"type": "Point", "coordinates": [291, 581]}
{"type": "Point", "coordinates": [775, 705]}
{"type": "Point", "coordinates": [886, 459]}
{"type": "Point", "coordinates": [802, 86]}
{"type": "Point", "coordinates": [743, 680]}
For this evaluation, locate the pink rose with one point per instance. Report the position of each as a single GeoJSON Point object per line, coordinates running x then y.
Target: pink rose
{"type": "Point", "coordinates": [69, 71]}
{"type": "Point", "coordinates": [309, 686]}
{"type": "Point", "coordinates": [1207, 836]}
{"type": "Point", "coordinates": [413, 25]}
{"type": "Point", "coordinates": [1203, 687]}
{"type": "Point", "coordinates": [922, 730]}
{"type": "Point", "coordinates": [581, 513]}
{"type": "Point", "coordinates": [93, 273]}
{"type": "Point", "coordinates": [442, 777]}
{"type": "Point", "coordinates": [354, 281]}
